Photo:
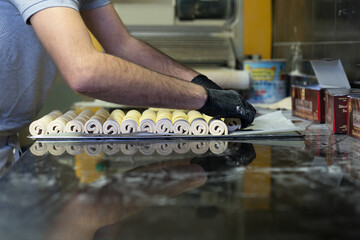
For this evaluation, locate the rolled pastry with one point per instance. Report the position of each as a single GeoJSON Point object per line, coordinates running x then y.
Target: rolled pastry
{"type": "Point", "coordinates": [39, 126]}
{"type": "Point", "coordinates": [164, 149]}
{"type": "Point", "coordinates": [217, 127]}
{"type": "Point", "coordinates": [102, 113]}
{"type": "Point", "coordinates": [181, 147]}
{"type": "Point", "coordinates": [199, 147]}
{"type": "Point", "coordinates": [130, 122]}
{"type": "Point", "coordinates": [163, 121]}
{"type": "Point", "coordinates": [77, 125]}
{"type": "Point", "coordinates": [198, 125]}
{"type": "Point", "coordinates": [59, 124]}
{"type": "Point", "coordinates": [233, 124]}
{"type": "Point", "coordinates": [147, 121]}
{"type": "Point", "coordinates": [39, 149]}
{"type": "Point", "coordinates": [218, 147]}
{"type": "Point", "coordinates": [74, 149]}
{"type": "Point", "coordinates": [180, 122]}
{"type": "Point", "coordinates": [113, 122]}
{"type": "Point", "coordinates": [95, 123]}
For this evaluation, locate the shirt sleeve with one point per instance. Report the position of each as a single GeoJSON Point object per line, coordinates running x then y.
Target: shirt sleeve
{"type": "Point", "coordinates": [91, 4]}
{"type": "Point", "coordinates": [27, 8]}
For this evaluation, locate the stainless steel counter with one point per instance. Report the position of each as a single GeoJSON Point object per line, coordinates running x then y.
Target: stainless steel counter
{"type": "Point", "coordinates": [259, 189]}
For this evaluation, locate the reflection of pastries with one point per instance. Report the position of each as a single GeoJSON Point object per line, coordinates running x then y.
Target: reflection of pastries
{"type": "Point", "coordinates": [95, 123]}
{"type": "Point", "coordinates": [147, 121]}
{"type": "Point", "coordinates": [147, 149]}
{"type": "Point", "coordinates": [111, 148]}
{"type": "Point", "coordinates": [93, 149]}
{"type": "Point", "coordinates": [113, 122]}
{"type": "Point", "coordinates": [198, 125]}
{"type": "Point", "coordinates": [218, 147]}
{"type": "Point", "coordinates": [56, 149]}
{"type": "Point", "coordinates": [59, 124]}
{"type": "Point", "coordinates": [199, 147]}
{"type": "Point", "coordinates": [39, 126]}
{"type": "Point", "coordinates": [74, 149]}
{"type": "Point", "coordinates": [181, 147]}
{"type": "Point", "coordinates": [77, 125]}
{"type": "Point", "coordinates": [233, 124]}
{"type": "Point", "coordinates": [164, 149]}
{"type": "Point", "coordinates": [38, 149]}
{"type": "Point", "coordinates": [128, 149]}
{"type": "Point", "coordinates": [130, 122]}
{"type": "Point", "coordinates": [163, 122]}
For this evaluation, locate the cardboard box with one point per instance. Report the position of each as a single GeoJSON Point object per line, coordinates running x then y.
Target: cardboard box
{"type": "Point", "coordinates": [336, 108]}
{"type": "Point", "coordinates": [309, 101]}
{"type": "Point", "coordinates": [353, 116]}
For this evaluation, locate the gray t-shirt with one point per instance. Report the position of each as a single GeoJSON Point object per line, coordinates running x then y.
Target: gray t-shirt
{"type": "Point", "coordinates": [26, 69]}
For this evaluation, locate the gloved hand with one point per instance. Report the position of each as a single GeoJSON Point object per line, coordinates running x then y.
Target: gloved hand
{"type": "Point", "coordinates": [228, 104]}
{"type": "Point", "coordinates": [205, 82]}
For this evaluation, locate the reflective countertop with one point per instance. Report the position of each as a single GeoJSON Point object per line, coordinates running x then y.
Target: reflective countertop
{"type": "Point", "coordinates": [250, 189]}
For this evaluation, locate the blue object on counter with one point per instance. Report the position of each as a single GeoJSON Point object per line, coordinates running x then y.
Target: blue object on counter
{"type": "Point", "coordinates": [268, 82]}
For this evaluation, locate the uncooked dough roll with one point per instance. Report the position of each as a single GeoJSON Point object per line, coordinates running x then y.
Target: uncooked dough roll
{"type": "Point", "coordinates": [39, 149]}
{"type": "Point", "coordinates": [147, 121]}
{"type": "Point", "coordinates": [77, 125]}
{"type": "Point", "coordinates": [130, 122]}
{"type": "Point", "coordinates": [95, 123]}
{"type": "Point", "coordinates": [59, 124]}
{"type": "Point", "coordinates": [102, 113]}
{"type": "Point", "coordinates": [198, 125]}
{"type": "Point", "coordinates": [163, 121]}
{"type": "Point", "coordinates": [39, 126]}
{"type": "Point", "coordinates": [233, 124]}
{"type": "Point", "coordinates": [199, 147]}
{"type": "Point", "coordinates": [113, 122]}
{"type": "Point", "coordinates": [217, 127]}
{"type": "Point", "coordinates": [180, 122]}
{"type": "Point", "coordinates": [164, 149]}
{"type": "Point", "coordinates": [218, 147]}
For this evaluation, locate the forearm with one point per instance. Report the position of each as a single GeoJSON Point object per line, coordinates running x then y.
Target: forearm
{"type": "Point", "coordinates": [116, 80]}
{"type": "Point", "coordinates": [108, 28]}
{"type": "Point", "coordinates": [141, 53]}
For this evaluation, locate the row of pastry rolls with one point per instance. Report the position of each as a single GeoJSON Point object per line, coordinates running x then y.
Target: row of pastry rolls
{"type": "Point", "coordinates": [161, 121]}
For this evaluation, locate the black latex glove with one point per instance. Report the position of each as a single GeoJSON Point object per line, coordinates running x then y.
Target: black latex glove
{"type": "Point", "coordinates": [205, 82]}
{"type": "Point", "coordinates": [228, 104]}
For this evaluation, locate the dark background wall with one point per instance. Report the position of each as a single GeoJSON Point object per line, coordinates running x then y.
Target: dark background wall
{"type": "Point", "coordinates": [323, 28]}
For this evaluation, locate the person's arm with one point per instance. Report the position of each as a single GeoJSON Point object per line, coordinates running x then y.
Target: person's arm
{"type": "Point", "coordinates": [103, 76]}
{"type": "Point", "coordinates": [109, 30]}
